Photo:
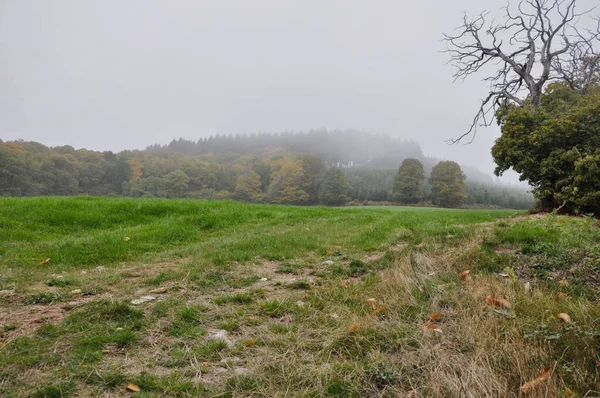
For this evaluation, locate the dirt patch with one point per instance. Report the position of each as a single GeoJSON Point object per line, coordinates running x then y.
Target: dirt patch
{"type": "Point", "coordinates": [25, 320]}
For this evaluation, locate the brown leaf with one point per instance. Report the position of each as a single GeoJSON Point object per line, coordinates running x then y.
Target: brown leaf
{"type": "Point", "coordinates": [464, 275]}
{"type": "Point", "coordinates": [435, 316]}
{"type": "Point", "coordinates": [44, 262]}
{"type": "Point", "coordinates": [346, 284]}
{"type": "Point", "coordinates": [497, 301]}
{"type": "Point", "coordinates": [76, 291]}
{"type": "Point", "coordinates": [132, 387]}
{"type": "Point", "coordinates": [431, 327]}
{"type": "Point", "coordinates": [422, 244]}
{"type": "Point", "coordinates": [251, 343]}
{"type": "Point", "coordinates": [543, 376]}
{"type": "Point", "coordinates": [563, 295]}
{"type": "Point", "coordinates": [378, 310]}
{"type": "Point", "coordinates": [564, 316]}
{"type": "Point", "coordinates": [564, 282]}
{"type": "Point", "coordinates": [354, 327]}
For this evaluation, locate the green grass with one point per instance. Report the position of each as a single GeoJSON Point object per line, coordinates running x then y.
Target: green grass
{"type": "Point", "coordinates": [203, 262]}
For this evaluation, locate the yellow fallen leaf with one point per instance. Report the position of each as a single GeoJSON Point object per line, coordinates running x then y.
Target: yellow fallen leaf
{"type": "Point", "coordinates": [532, 384]}
{"type": "Point", "coordinates": [44, 262]}
{"type": "Point", "coordinates": [564, 282]}
{"type": "Point", "coordinates": [132, 387]}
{"type": "Point", "coordinates": [373, 303]}
{"type": "Point", "coordinates": [76, 291]}
{"type": "Point", "coordinates": [251, 343]}
{"type": "Point", "coordinates": [497, 301]}
{"type": "Point", "coordinates": [564, 316]}
{"type": "Point", "coordinates": [464, 275]}
{"type": "Point", "coordinates": [354, 327]}
{"type": "Point", "coordinates": [126, 238]}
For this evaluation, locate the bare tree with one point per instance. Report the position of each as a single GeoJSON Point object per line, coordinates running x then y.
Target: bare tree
{"type": "Point", "coordinates": [536, 42]}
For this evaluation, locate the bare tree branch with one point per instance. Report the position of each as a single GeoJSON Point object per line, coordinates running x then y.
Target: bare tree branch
{"type": "Point", "coordinates": [536, 42]}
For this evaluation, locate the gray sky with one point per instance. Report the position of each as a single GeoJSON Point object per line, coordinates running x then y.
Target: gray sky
{"type": "Point", "coordinates": [123, 74]}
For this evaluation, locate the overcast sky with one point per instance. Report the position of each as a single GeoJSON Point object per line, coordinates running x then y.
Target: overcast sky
{"type": "Point", "coordinates": [123, 74]}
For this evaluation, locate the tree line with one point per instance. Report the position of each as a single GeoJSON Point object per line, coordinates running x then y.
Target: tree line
{"type": "Point", "coordinates": [271, 175]}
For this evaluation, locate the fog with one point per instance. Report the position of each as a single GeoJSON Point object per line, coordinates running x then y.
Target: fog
{"type": "Point", "coordinates": [113, 74]}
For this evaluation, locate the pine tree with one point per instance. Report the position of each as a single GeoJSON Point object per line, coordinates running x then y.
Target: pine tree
{"type": "Point", "coordinates": [334, 189]}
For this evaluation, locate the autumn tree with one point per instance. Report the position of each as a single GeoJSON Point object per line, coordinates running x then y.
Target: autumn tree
{"type": "Point", "coordinates": [447, 184]}
{"type": "Point", "coordinates": [334, 189]}
{"type": "Point", "coordinates": [408, 183]}
{"type": "Point", "coordinates": [248, 188]}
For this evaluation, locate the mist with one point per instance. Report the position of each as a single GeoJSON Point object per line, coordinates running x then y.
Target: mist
{"type": "Point", "coordinates": [116, 75]}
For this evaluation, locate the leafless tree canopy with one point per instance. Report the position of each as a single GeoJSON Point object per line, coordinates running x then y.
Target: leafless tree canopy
{"type": "Point", "coordinates": [538, 41]}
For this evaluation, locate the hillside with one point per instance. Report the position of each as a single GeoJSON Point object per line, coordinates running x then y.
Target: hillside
{"type": "Point", "coordinates": [255, 168]}
{"type": "Point", "coordinates": [102, 297]}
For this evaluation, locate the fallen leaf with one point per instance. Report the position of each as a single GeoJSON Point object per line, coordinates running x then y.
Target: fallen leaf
{"type": "Point", "coordinates": [497, 301]}
{"type": "Point", "coordinates": [354, 327]}
{"type": "Point", "coordinates": [564, 316]}
{"type": "Point", "coordinates": [251, 343]}
{"type": "Point", "coordinates": [431, 327]}
{"type": "Point", "coordinates": [76, 291]}
{"type": "Point", "coordinates": [421, 244]}
{"type": "Point", "coordinates": [563, 295]}
{"type": "Point", "coordinates": [206, 364]}
{"type": "Point", "coordinates": [44, 262]}
{"type": "Point", "coordinates": [378, 310]}
{"type": "Point", "coordinates": [503, 274]}
{"type": "Point", "coordinates": [564, 282]}
{"type": "Point", "coordinates": [132, 387]}
{"type": "Point", "coordinates": [532, 384]}
{"type": "Point", "coordinates": [127, 238]}
{"type": "Point", "coordinates": [527, 286]}
{"type": "Point", "coordinates": [464, 275]}
{"type": "Point", "coordinates": [435, 316]}
{"type": "Point", "coordinates": [346, 284]}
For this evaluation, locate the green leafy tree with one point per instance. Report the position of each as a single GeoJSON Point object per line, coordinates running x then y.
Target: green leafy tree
{"type": "Point", "coordinates": [248, 188]}
{"type": "Point", "coordinates": [334, 189]}
{"type": "Point", "coordinates": [447, 184]}
{"type": "Point", "coordinates": [408, 183]}
{"type": "Point", "coordinates": [556, 148]}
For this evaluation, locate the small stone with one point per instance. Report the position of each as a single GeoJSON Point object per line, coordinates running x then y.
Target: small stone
{"type": "Point", "coordinates": [327, 262]}
{"type": "Point", "coordinates": [59, 277]}
{"type": "Point", "coordinates": [83, 272]}
{"type": "Point", "coordinates": [100, 268]}
{"type": "Point", "coordinates": [300, 303]}
{"type": "Point", "coordinates": [69, 306]}
{"type": "Point", "coordinates": [264, 279]}
{"type": "Point", "coordinates": [76, 291]}
{"type": "Point", "coordinates": [220, 334]}
{"type": "Point", "coordinates": [142, 300]}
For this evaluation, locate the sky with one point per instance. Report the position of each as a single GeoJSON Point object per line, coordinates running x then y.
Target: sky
{"type": "Point", "coordinates": [124, 74]}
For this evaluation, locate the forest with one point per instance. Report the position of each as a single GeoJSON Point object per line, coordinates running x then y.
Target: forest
{"type": "Point", "coordinates": [286, 168]}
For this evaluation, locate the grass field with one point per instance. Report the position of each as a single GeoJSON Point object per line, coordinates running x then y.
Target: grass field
{"type": "Point", "coordinates": [267, 301]}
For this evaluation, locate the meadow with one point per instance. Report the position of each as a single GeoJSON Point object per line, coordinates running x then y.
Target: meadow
{"type": "Point", "coordinates": [148, 297]}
